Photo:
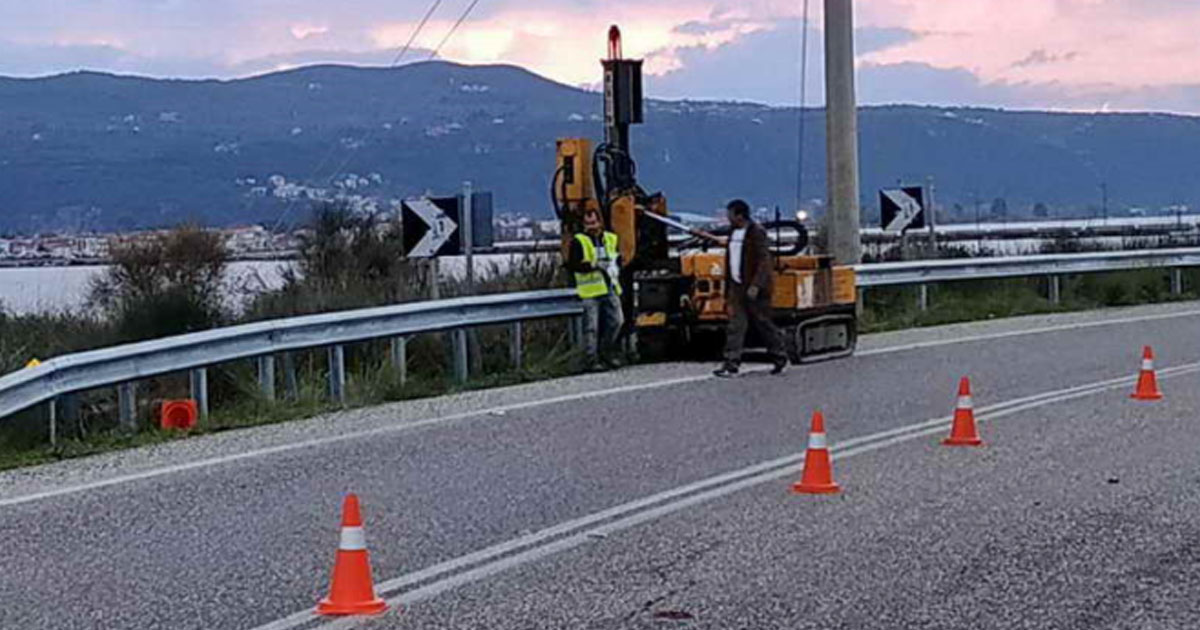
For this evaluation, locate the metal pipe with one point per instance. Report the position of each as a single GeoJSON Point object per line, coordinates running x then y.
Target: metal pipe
{"type": "Point", "coordinates": [1055, 290]}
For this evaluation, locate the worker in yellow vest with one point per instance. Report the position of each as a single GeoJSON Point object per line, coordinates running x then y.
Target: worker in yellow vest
{"type": "Point", "coordinates": [595, 261]}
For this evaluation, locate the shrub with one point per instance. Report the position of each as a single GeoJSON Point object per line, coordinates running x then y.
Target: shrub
{"type": "Point", "coordinates": [165, 284]}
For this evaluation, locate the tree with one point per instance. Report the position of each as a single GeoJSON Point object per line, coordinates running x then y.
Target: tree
{"type": "Point", "coordinates": [1041, 211]}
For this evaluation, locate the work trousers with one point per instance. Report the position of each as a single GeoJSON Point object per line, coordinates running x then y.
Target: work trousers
{"type": "Point", "coordinates": [743, 313]}
{"type": "Point", "coordinates": [602, 322]}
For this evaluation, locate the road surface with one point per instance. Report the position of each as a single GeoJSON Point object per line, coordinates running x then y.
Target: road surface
{"type": "Point", "coordinates": [658, 497]}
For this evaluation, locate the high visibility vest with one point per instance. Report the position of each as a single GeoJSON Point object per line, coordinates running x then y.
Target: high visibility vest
{"type": "Point", "coordinates": [591, 284]}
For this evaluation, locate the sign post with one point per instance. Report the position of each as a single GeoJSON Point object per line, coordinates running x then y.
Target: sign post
{"type": "Point", "coordinates": [468, 235]}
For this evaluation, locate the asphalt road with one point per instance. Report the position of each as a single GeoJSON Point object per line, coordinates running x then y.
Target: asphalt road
{"type": "Point", "coordinates": [659, 498]}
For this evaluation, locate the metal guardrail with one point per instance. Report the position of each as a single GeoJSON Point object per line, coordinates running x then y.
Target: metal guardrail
{"type": "Point", "coordinates": [1053, 266]}
{"type": "Point", "coordinates": [122, 365]}
{"type": "Point", "coordinates": [933, 271]}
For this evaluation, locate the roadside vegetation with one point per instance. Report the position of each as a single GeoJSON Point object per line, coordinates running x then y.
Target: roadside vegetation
{"type": "Point", "coordinates": [173, 283]}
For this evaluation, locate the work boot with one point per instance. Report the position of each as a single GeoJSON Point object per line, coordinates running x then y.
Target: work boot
{"type": "Point", "coordinates": [780, 365]}
{"type": "Point", "coordinates": [729, 370]}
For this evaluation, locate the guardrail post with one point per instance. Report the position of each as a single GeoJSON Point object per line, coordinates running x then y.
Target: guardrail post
{"type": "Point", "coordinates": [337, 374]}
{"type": "Point", "coordinates": [461, 367]}
{"type": "Point", "coordinates": [923, 297]}
{"type": "Point", "coordinates": [400, 358]}
{"type": "Point", "coordinates": [68, 409]}
{"type": "Point", "coordinates": [1177, 281]}
{"type": "Point", "coordinates": [1055, 290]}
{"type": "Point", "coordinates": [575, 330]}
{"type": "Point", "coordinates": [517, 345]}
{"type": "Point", "coordinates": [127, 406]}
{"type": "Point", "coordinates": [199, 387]}
{"type": "Point", "coordinates": [266, 377]}
{"type": "Point", "coordinates": [291, 386]}
{"type": "Point", "coordinates": [53, 413]}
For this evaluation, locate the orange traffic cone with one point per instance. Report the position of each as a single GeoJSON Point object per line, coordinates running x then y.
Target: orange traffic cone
{"type": "Point", "coordinates": [963, 432]}
{"type": "Point", "coordinates": [352, 592]}
{"type": "Point", "coordinates": [1147, 385]}
{"type": "Point", "coordinates": [818, 472]}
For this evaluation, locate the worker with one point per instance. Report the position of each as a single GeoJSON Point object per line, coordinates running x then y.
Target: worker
{"type": "Point", "coordinates": [595, 261]}
{"type": "Point", "coordinates": [748, 291]}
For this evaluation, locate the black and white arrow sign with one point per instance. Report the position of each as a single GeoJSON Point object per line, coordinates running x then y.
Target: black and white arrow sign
{"type": "Point", "coordinates": [902, 208]}
{"type": "Point", "coordinates": [429, 229]}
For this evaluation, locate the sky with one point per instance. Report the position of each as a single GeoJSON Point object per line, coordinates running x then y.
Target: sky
{"type": "Point", "coordinates": [1077, 55]}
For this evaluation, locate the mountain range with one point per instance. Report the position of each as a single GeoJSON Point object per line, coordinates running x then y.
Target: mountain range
{"type": "Point", "coordinates": [93, 151]}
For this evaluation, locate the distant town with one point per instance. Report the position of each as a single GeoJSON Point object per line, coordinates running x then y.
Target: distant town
{"type": "Point", "coordinates": [258, 242]}
{"type": "Point", "coordinates": [253, 242]}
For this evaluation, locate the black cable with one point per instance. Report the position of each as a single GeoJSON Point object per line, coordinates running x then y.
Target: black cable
{"type": "Point", "coordinates": [554, 192]}
{"type": "Point", "coordinates": [333, 147]}
{"type": "Point", "coordinates": [462, 18]}
{"type": "Point", "coordinates": [598, 182]}
{"type": "Point", "coordinates": [417, 31]}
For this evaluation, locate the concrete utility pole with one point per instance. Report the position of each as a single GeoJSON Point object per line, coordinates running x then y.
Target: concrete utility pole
{"type": "Point", "coordinates": [841, 123]}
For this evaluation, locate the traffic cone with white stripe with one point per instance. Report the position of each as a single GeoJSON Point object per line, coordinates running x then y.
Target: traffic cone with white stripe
{"type": "Point", "coordinates": [963, 432]}
{"type": "Point", "coordinates": [1147, 385]}
{"type": "Point", "coordinates": [818, 471]}
{"type": "Point", "coordinates": [352, 592]}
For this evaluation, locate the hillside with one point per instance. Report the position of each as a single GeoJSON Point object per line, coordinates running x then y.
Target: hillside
{"type": "Point", "coordinates": [96, 151]}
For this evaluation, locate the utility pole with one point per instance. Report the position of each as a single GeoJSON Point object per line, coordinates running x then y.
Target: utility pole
{"type": "Point", "coordinates": [841, 123]}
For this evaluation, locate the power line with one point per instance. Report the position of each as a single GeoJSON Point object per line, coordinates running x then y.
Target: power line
{"type": "Point", "coordinates": [417, 31]}
{"type": "Point", "coordinates": [462, 18]}
{"type": "Point", "coordinates": [433, 7]}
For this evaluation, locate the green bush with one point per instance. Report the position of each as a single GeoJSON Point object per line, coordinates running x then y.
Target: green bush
{"type": "Point", "coordinates": [168, 283]}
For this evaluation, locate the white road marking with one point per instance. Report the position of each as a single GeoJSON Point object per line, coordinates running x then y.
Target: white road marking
{"type": "Point", "coordinates": [334, 439]}
{"type": "Point", "coordinates": [504, 409]}
{"type": "Point", "coordinates": [547, 542]}
{"type": "Point", "coordinates": [1021, 333]}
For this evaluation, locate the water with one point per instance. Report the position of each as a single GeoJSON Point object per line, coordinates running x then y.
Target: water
{"type": "Point", "coordinates": [27, 290]}
{"type": "Point", "coordinates": [50, 289]}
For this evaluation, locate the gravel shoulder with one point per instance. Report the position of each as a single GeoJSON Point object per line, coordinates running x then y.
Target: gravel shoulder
{"type": "Point", "coordinates": [397, 416]}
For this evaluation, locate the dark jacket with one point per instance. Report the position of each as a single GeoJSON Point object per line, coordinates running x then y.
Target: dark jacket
{"type": "Point", "coordinates": [756, 259]}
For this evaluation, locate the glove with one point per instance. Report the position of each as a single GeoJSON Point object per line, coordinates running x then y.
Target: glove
{"type": "Point", "coordinates": [753, 292]}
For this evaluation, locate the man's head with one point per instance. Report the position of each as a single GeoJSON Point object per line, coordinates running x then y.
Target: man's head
{"type": "Point", "coordinates": [592, 223]}
{"type": "Point", "coordinates": [739, 213]}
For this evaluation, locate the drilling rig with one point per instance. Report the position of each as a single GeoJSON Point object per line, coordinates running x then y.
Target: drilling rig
{"type": "Point", "coordinates": [674, 300]}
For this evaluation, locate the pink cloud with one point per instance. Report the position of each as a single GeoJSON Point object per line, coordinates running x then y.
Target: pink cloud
{"type": "Point", "coordinates": [1075, 43]}
{"type": "Point", "coordinates": [566, 43]}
